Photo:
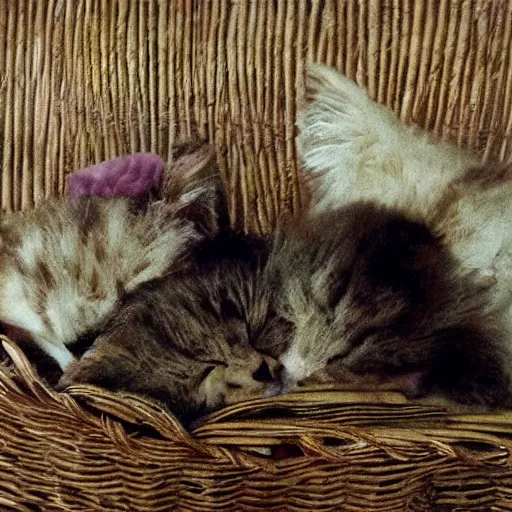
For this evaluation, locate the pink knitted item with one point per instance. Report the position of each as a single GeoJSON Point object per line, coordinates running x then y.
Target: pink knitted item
{"type": "Point", "coordinates": [128, 176]}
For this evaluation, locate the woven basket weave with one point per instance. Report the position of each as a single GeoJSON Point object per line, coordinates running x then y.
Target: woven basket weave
{"type": "Point", "coordinates": [84, 80]}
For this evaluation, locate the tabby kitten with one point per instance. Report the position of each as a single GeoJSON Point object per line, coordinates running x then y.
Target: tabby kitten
{"type": "Point", "coordinates": [187, 339]}
{"type": "Point", "coordinates": [376, 299]}
{"type": "Point", "coordinates": [66, 264]}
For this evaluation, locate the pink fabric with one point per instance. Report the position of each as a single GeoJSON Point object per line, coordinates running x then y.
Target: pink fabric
{"type": "Point", "coordinates": [124, 176]}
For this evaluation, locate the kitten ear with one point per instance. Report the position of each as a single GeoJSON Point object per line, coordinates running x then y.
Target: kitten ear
{"type": "Point", "coordinates": [192, 182]}
{"type": "Point", "coordinates": [192, 164]}
{"type": "Point", "coordinates": [327, 89]}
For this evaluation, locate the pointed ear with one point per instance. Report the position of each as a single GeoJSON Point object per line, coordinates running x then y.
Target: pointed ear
{"type": "Point", "coordinates": [338, 122]}
{"type": "Point", "coordinates": [193, 183]}
{"type": "Point", "coordinates": [326, 89]}
{"type": "Point", "coordinates": [347, 143]}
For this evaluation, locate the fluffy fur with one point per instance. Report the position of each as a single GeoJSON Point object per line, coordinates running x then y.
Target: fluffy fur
{"type": "Point", "coordinates": [353, 148]}
{"type": "Point", "coordinates": [361, 297]}
{"type": "Point", "coordinates": [376, 298]}
{"type": "Point", "coordinates": [188, 339]}
{"type": "Point", "coordinates": [66, 264]}
{"type": "Point", "coordinates": [474, 215]}
{"type": "Point", "coordinates": [383, 284]}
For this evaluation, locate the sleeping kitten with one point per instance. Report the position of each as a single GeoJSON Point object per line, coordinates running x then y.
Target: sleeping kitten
{"type": "Point", "coordinates": [376, 298]}
{"type": "Point", "coordinates": [353, 148]}
{"type": "Point", "coordinates": [186, 339]}
{"type": "Point", "coordinates": [66, 264]}
{"type": "Point", "coordinates": [357, 294]}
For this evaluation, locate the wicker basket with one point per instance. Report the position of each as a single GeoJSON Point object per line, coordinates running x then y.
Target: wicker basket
{"type": "Point", "coordinates": [83, 80]}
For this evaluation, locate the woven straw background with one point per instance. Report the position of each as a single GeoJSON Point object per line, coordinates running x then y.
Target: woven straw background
{"type": "Point", "coordinates": [84, 80]}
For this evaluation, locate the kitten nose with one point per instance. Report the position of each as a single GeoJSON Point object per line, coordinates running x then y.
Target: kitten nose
{"type": "Point", "coordinates": [262, 374]}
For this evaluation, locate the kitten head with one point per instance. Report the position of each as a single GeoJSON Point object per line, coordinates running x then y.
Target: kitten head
{"type": "Point", "coordinates": [66, 264]}
{"type": "Point", "coordinates": [183, 341]}
{"type": "Point", "coordinates": [373, 293]}
{"type": "Point", "coordinates": [192, 182]}
{"type": "Point", "coordinates": [190, 384]}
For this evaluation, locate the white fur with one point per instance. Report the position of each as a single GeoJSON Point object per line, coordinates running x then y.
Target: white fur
{"type": "Point", "coordinates": [135, 248]}
{"type": "Point", "coordinates": [296, 366]}
{"type": "Point", "coordinates": [359, 150]}
{"type": "Point", "coordinates": [478, 229]}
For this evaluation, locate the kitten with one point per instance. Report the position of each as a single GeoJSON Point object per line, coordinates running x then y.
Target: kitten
{"type": "Point", "coordinates": [352, 149]}
{"type": "Point", "coordinates": [376, 299]}
{"type": "Point", "coordinates": [66, 264]}
{"type": "Point", "coordinates": [187, 339]}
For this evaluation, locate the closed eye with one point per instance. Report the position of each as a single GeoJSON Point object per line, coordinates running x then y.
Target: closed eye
{"type": "Point", "coordinates": [232, 385]}
{"type": "Point", "coordinates": [357, 339]}
{"type": "Point", "coordinates": [229, 310]}
{"type": "Point", "coordinates": [214, 362]}
{"type": "Point", "coordinates": [206, 372]}
{"type": "Point", "coordinates": [340, 289]}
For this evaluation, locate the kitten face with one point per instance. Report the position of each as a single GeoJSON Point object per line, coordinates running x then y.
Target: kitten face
{"type": "Point", "coordinates": [186, 341]}
{"type": "Point", "coordinates": [135, 359]}
{"type": "Point", "coordinates": [376, 296]}
{"type": "Point", "coordinates": [327, 295]}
